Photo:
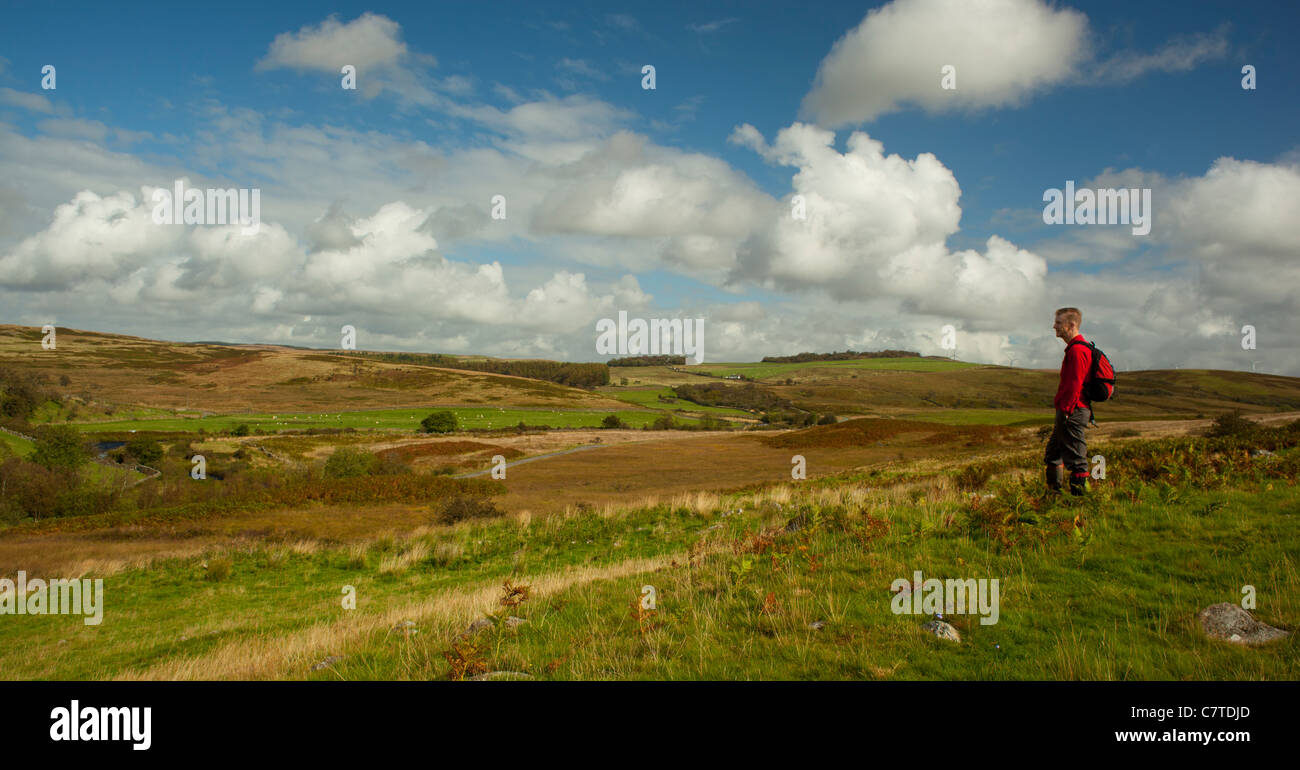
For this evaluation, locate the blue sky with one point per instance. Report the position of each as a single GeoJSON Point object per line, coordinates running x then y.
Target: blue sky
{"type": "Point", "coordinates": [1142, 95]}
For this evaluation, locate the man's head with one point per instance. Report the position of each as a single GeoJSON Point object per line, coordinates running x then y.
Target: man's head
{"type": "Point", "coordinates": [1067, 323]}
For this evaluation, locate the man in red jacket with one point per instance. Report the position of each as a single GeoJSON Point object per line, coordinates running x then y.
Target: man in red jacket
{"type": "Point", "coordinates": [1068, 444]}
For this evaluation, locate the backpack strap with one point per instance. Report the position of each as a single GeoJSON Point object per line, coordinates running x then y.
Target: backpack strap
{"type": "Point", "coordinates": [1092, 365]}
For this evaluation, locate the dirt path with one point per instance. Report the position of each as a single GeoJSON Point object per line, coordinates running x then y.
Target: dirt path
{"type": "Point", "coordinates": [571, 450]}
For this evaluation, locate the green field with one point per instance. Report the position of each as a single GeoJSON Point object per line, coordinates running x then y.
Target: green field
{"type": "Point", "coordinates": [762, 371]}
{"type": "Point", "coordinates": [380, 419]}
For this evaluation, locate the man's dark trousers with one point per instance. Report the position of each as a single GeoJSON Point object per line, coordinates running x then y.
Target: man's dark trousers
{"type": "Point", "coordinates": [1068, 443]}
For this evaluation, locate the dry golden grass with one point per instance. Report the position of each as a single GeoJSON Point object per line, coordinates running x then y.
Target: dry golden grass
{"type": "Point", "coordinates": [412, 553]}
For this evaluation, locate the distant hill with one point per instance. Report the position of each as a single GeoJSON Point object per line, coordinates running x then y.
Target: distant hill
{"type": "Point", "coordinates": [120, 369]}
{"type": "Point", "coordinates": [113, 369]}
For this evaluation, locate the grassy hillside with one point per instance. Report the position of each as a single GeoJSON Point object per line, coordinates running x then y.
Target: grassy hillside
{"type": "Point", "coordinates": [790, 581]}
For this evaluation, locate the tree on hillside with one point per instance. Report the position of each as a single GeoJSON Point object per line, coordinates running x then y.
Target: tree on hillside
{"type": "Point", "coordinates": [439, 422]}
{"type": "Point", "coordinates": [59, 446]}
{"type": "Point", "coordinates": [20, 395]}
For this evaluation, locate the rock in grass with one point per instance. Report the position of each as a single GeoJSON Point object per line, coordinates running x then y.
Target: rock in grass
{"type": "Point", "coordinates": [475, 627]}
{"type": "Point", "coordinates": [406, 628]}
{"type": "Point", "coordinates": [331, 660]}
{"type": "Point", "coordinates": [496, 675]}
{"type": "Point", "coordinates": [942, 630]}
{"type": "Point", "coordinates": [817, 625]}
{"type": "Point", "coordinates": [1228, 622]}
{"type": "Point", "coordinates": [513, 621]}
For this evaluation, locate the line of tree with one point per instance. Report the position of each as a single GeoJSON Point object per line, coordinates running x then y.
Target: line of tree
{"type": "Point", "coordinates": [748, 397]}
{"type": "Point", "coordinates": [848, 355]}
{"type": "Point", "coordinates": [648, 361]}
{"type": "Point", "coordinates": [577, 375]}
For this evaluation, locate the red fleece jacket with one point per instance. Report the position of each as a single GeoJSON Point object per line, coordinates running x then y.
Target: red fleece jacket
{"type": "Point", "coordinates": [1074, 369]}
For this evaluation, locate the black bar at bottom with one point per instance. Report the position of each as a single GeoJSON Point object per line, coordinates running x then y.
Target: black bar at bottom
{"type": "Point", "coordinates": [389, 720]}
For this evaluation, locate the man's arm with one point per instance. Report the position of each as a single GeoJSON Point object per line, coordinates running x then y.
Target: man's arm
{"type": "Point", "coordinates": [1073, 371]}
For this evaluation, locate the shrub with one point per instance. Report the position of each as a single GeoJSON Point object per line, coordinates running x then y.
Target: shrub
{"type": "Point", "coordinates": [612, 421]}
{"type": "Point", "coordinates": [827, 419]}
{"type": "Point", "coordinates": [461, 507]}
{"type": "Point", "coordinates": [349, 462]}
{"type": "Point", "coordinates": [439, 422]}
{"type": "Point", "coordinates": [1231, 424]}
{"type": "Point", "coordinates": [218, 569]}
{"type": "Point", "coordinates": [241, 429]}
{"type": "Point", "coordinates": [146, 451]}
{"type": "Point", "coordinates": [972, 477]}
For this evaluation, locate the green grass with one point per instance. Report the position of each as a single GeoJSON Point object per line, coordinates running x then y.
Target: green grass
{"type": "Point", "coordinates": [1124, 611]}
{"type": "Point", "coordinates": [170, 609]}
{"type": "Point", "coordinates": [380, 419]}
{"type": "Point", "coordinates": [21, 447]}
{"type": "Point", "coordinates": [762, 371]}
{"type": "Point", "coordinates": [109, 473]}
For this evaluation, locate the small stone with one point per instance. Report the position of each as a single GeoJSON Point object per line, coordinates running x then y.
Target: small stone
{"type": "Point", "coordinates": [1260, 453]}
{"type": "Point", "coordinates": [710, 529]}
{"type": "Point", "coordinates": [817, 625]}
{"type": "Point", "coordinates": [942, 630]}
{"type": "Point", "coordinates": [331, 660]}
{"type": "Point", "coordinates": [406, 628]}
{"type": "Point", "coordinates": [1229, 622]}
{"type": "Point", "coordinates": [513, 621]}
{"type": "Point", "coordinates": [475, 627]}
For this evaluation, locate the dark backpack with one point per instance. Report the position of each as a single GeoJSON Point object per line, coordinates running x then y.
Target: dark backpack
{"type": "Point", "coordinates": [1099, 385]}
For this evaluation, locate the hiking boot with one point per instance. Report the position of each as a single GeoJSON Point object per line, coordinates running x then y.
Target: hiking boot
{"type": "Point", "coordinates": [1053, 473]}
{"type": "Point", "coordinates": [1078, 484]}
